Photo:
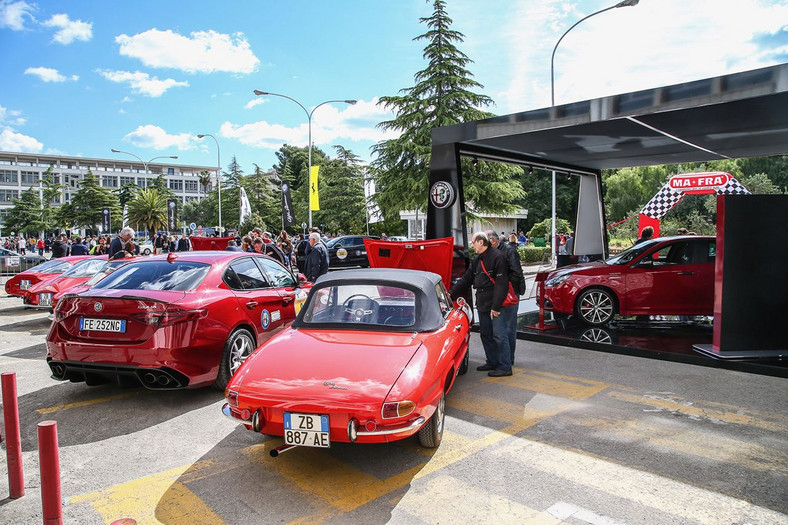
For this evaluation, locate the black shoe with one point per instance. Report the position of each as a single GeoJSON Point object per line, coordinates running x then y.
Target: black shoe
{"type": "Point", "coordinates": [485, 367]}
{"type": "Point", "coordinates": [499, 373]}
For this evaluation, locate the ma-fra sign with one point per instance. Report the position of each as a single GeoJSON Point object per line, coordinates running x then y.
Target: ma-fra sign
{"type": "Point", "coordinates": [709, 182]}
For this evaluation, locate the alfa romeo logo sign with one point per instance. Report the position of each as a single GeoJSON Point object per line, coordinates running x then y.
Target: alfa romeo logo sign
{"type": "Point", "coordinates": [442, 194]}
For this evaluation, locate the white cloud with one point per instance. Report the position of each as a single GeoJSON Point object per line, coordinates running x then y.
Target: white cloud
{"type": "Point", "coordinates": [13, 141]}
{"type": "Point", "coordinates": [48, 74]}
{"type": "Point", "coordinates": [330, 124]}
{"type": "Point", "coordinates": [202, 52]}
{"type": "Point", "coordinates": [13, 14]}
{"type": "Point", "coordinates": [154, 137]}
{"type": "Point", "coordinates": [10, 117]}
{"type": "Point", "coordinates": [656, 43]}
{"type": "Point", "coordinates": [254, 102]}
{"type": "Point", "coordinates": [69, 30]}
{"type": "Point", "coordinates": [142, 83]}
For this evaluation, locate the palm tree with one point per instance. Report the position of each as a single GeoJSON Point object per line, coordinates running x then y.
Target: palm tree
{"type": "Point", "coordinates": [149, 209]}
{"type": "Point", "coordinates": [205, 181]}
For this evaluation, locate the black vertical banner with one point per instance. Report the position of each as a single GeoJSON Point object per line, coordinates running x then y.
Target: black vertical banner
{"type": "Point", "coordinates": [288, 218]}
{"type": "Point", "coordinates": [105, 223]}
{"type": "Point", "coordinates": [172, 215]}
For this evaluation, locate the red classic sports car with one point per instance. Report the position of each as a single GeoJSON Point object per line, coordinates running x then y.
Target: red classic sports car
{"type": "Point", "coordinates": [22, 282]}
{"type": "Point", "coordinates": [42, 295]}
{"type": "Point", "coordinates": [663, 276]}
{"type": "Point", "coordinates": [179, 320]}
{"type": "Point", "coordinates": [369, 359]}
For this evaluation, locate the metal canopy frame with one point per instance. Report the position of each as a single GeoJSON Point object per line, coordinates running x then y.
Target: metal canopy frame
{"type": "Point", "coordinates": [731, 116]}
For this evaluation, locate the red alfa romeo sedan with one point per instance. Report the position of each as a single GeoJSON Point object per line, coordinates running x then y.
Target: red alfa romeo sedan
{"type": "Point", "coordinates": [42, 295]}
{"type": "Point", "coordinates": [21, 282]}
{"type": "Point", "coordinates": [663, 276]}
{"type": "Point", "coordinates": [180, 320]}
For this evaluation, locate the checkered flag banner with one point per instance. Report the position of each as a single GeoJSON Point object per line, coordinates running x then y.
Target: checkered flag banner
{"type": "Point", "coordinates": [733, 187]}
{"type": "Point", "coordinates": [662, 202]}
{"type": "Point", "coordinates": [667, 198]}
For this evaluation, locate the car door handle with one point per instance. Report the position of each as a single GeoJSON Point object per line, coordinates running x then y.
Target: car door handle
{"type": "Point", "coordinates": [251, 304]}
{"type": "Point", "coordinates": [686, 273]}
{"type": "Point", "coordinates": [457, 327]}
{"type": "Point", "coordinates": [287, 299]}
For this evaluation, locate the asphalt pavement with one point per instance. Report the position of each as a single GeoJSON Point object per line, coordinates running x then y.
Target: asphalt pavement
{"type": "Point", "coordinates": [574, 436]}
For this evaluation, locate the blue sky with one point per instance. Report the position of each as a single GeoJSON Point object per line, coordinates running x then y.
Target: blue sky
{"type": "Point", "coordinates": [82, 77]}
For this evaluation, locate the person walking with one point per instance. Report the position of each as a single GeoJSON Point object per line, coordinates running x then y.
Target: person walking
{"type": "Point", "coordinates": [158, 244]}
{"type": "Point", "coordinates": [517, 279]}
{"type": "Point", "coordinates": [489, 274]}
{"type": "Point", "coordinates": [316, 258]}
{"type": "Point", "coordinates": [126, 234]}
{"type": "Point", "coordinates": [183, 243]}
{"type": "Point", "coordinates": [41, 244]}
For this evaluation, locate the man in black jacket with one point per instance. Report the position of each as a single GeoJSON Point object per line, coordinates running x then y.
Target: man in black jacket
{"type": "Point", "coordinates": [489, 274]}
{"type": "Point", "coordinates": [118, 243]}
{"type": "Point", "coordinates": [316, 258]}
{"type": "Point", "coordinates": [60, 247]}
{"type": "Point", "coordinates": [77, 248]}
{"type": "Point", "coordinates": [517, 279]}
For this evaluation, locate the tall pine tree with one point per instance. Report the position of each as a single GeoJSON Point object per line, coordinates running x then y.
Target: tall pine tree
{"type": "Point", "coordinates": [443, 95]}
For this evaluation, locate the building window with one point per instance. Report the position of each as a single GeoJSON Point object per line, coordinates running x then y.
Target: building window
{"type": "Point", "coordinates": [8, 195]}
{"type": "Point", "coordinates": [142, 182]}
{"type": "Point", "coordinates": [191, 185]}
{"type": "Point", "coordinates": [29, 177]}
{"type": "Point", "coordinates": [170, 171]}
{"type": "Point", "coordinates": [176, 184]}
{"type": "Point", "coordinates": [109, 182]}
{"type": "Point", "coordinates": [8, 177]}
{"type": "Point", "coordinates": [126, 180]}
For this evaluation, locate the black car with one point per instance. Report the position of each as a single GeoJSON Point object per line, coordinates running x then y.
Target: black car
{"type": "Point", "coordinates": [348, 251]}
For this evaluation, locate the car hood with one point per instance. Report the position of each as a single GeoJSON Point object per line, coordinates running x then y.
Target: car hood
{"type": "Point", "coordinates": [432, 255]}
{"type": "Point", "coordinates": [326, 366]}
{"type": "Point", "coordinates": [575, 268]}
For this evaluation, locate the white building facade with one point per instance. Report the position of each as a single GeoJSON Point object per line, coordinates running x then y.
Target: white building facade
{"type": "Point", "coordinates": [21, 171]}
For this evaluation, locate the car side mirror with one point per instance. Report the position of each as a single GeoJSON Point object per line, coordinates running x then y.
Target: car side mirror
{"type": "Point", "coordinates": [301, 278]}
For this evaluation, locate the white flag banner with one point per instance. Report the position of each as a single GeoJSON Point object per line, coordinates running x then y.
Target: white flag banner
{"type": "Point", "coordinates": [373, 211]}
{"type": "Point", "coordinates": [125, 215]}
{"type": "Point", "coordinates": [246, 208]}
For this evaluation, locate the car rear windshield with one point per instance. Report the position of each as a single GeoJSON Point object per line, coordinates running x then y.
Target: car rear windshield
{"type": "Point", "coordinates": [55, 266]}
{"type": "Point", "coordinates": [156, 275]}
{"type": "Point", "coordinates": [85, 268]}
{"type": "Point", "coordinates": [354, 305]}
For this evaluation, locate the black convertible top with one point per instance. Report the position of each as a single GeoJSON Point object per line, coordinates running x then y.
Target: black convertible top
{"type": "Point", "coordinates": [428, 312]}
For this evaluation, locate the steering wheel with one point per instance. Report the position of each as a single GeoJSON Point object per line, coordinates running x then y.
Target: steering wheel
{"type": "Point", "coordinates": [359, 306]}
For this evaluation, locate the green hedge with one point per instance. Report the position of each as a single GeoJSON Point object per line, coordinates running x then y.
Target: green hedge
{"type": "Point", "coordinates": [533, 254]}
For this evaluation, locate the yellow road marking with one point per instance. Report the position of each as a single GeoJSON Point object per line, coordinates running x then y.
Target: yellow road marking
{"type": "Point", "coordinates": [692, 409]}
{"type": "Point", "coordinates": [154, 499]}
{"type": "Point", "coordinates": [552, 384]}
{"type": "Point", "coordinates": [77, 404]}
{"type": "Point", "coordinates": [501, 410]}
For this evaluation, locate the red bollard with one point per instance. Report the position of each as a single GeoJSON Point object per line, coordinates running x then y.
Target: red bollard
{"type": "Point", "coordinates": [16, 478]}
{"type": "Point", "coordinates": [49, 460]}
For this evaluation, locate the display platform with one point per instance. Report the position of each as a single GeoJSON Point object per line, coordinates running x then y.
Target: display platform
{"type": "Point", "coordinates": [669, 338]}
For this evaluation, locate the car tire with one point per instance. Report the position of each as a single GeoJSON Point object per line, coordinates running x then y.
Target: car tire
{"type": "Point", "coordinates": [595, 306]}
{"type": "Point", "coordinates": [465, 362]}
{"type": "Point", "coordinates": [238, 347]}
{"type": "Point", "coordinates": [146, 252]}
{"type": "Point", "coordinates": [431, 433]}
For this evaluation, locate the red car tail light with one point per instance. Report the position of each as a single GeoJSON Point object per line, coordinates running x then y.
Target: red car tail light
{"type": "Point", "coordinates": [169, 317]}
{"type": "Point", "coordinates": [63, 308]}
{"type": "Point", "coordinates": [397, 409]}
{"type": "Point", "coordinates": [232, 398]}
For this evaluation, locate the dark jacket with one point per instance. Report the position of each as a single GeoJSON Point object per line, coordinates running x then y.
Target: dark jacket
{"type": "Point", "coordinates": [59, 249]}
{"type": "Point", "coordinates": [516, 276]}
{"type": "Point", "coordinates": [316, 262]}
{"type": "Point", "coordinates": [79, 249]}
{"type": "Point", "coordinates": [115, 246]}
{"type": "Point", "coordinates": [183, 244]}
{"type": "Point", "coordinates": [488, 296]}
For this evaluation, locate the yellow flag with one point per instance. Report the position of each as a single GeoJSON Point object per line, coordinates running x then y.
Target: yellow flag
{"type": "Point", "coordinates": [314, 197]}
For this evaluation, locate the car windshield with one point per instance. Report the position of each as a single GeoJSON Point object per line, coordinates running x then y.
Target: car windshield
{"type": "Point", "coordinates": [85, 268]}
{"type": "Point", "coordinates": [332, 242]}
{"type": "Point", "coordinates": [156, 275]}
{"type": "Point", "coordinates": [55, 266]}
{"type": "Point", "coordinates": [367, 304]}
{"type": "Point", "coordinates": [630, 253]}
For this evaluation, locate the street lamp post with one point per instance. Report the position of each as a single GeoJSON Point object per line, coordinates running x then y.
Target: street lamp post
{"type": "Point", "coordinates": [218, 175]}
{"type": "Point", "coordinates": [309, 121]}
{"type": "Point", "coordinates": [624, 3]}
{"type": "Point", "coordinates": [144, 163]}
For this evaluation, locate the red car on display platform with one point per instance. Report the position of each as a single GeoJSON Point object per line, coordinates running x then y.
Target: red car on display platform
{"type": "Point", "coordinates": [21, 282]}
{"type": "Point", "coordinates": [42, 295]}
{"type": "Point", "coordinates": [663, 276]}
{"type": "Point", "coordinates": [181, 320]}
{"type": "Point", "coordinates": [369, 359]}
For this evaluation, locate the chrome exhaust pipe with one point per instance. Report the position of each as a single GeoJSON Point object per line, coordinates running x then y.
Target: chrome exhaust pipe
{"type": "Point", "coordinates": [163, 380]}
{"type": "Point", "coordinates": [149, 377]}
{"type": "Point", "coordinates": [278, 450]}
